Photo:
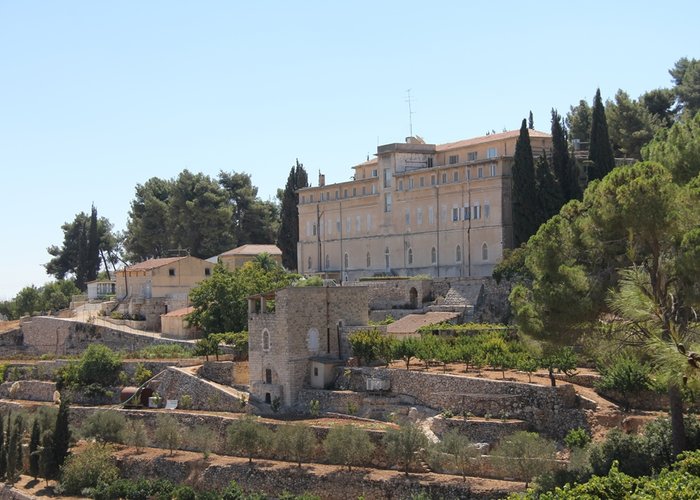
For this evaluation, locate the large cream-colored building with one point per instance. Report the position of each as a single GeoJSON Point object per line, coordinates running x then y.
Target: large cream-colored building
{"type": "Point", "coordinates": [441, 210]}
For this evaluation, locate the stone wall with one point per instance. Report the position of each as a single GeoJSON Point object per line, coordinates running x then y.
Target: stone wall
{"type": "Point", "coordinates": [551, 410]}
{"type": "Point", "coordinates": [175, 383]}
{"type": "Point", "coordinates": [396, 293]}
{"type": "Point", "coordinates": [220, 372]}
{"type": "Point", "coordinates": [328, 484]}
{"type": "Point", "coordinates": [29, 390]}
{"type": "Point", "coordinates": [478, 430]}
{"type": "Point", "coordinates": [47, 335]}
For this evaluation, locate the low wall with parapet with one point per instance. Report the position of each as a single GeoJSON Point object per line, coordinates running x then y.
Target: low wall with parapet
{"type": "Point", "coordinates": [47, 335]}
{"type": "Point", "coordinates": [551, 410]}
{"type": "Point", "coordinates": [175, 383]}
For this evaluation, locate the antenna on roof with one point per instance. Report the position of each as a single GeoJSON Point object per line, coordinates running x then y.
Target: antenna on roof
{"type": "Point", "coordinates": [410, 113]}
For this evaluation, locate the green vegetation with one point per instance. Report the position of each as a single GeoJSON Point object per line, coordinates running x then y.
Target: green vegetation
{"type": "Point", "coordinates": [92, 466]}
{"type": "Point", "coordinates": [248, 437]}
{"type": "Point", "coordinates": [161, 351]}
{"type": "Point", "coordinates": [370, 345]}
{"type": "Point", "coordinates": [53, 296]}
{"type": "Point", "coordinates": [168, 432]}
{"type": "Point", "coordinates": [348, 445]}
{"type": "Point", "coordinates": [404, 445]}
{"type": "Point", "coordinates": [295, 442]}
{"type": "Point", "coordinates": [105, 426]}
{"type": "Point", "coordinates": [220, 302]}
{"type": "Point", "coordinates": [627, 375]}
{"type": "Point", "coordinates": [98, 368]}
{"type": "Point", "coordinates": [526, 452]}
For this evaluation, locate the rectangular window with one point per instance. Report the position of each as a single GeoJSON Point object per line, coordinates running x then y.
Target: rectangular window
{"type": "Point", "coordinates": [431, 216]}
{"type": "Point", "coordinates": [400, 184]}
{"type": "Point", "coordinates": [357, 223]}
{"type": "Point", "coordinates": [477, 212]}
{"type": "Point", "coordinates": [408, 216]}
{"type": "Point", "coordinates": [444, 178]}
{"type": "Point", "coordinates": [313, 230]}
{"type": "Point", "coordinates": [430, 163]}
{"type": "Point", "coordinates": [455, 214]}
{"type": "Point", "coordinates": [480, 173]}
{"type": "Point", "coordinates": [364, 190]}
{"type": "Point", "coordinates": [455, 176]}
{"type": "Point", "coordinates": [354, 191]}
{"type": "Point", "coordinates": [493, 170]}
{"type": "Point", "coordinates": [419, 216]}
{"type": "Point", "coordinates": [387, 178]}
{"type": "Point", "coordinates": [374, 173]}
{"type": "Point", "coordinates": [303, 199]}
{"type": "Point", "coordinates": [432, 180]}
{"type": "Point", "coordinates": [321, 196]}
{"type": "Point", "coordinates": [472, 156]}
{"type": "Point", "coordinates": [345, 193]}
{"type": "Point", "coordinates": [454, 159]}
{"type": "Point", "coordinates": [487, 210]}
{"type": "Point", "coordinates": [467, 213]}
{"type": "Point", "coordinates": [207, 271]}
{"type": "Point", "coordinates": [443, 213]}
{"type": "Point", "coordinates": [336, 195]}
{"type": "Point", "coordinates": [387, 202]}
{"type": "Point", "coordinates": [348, 225]}
{"type": "Point", "coordinates": [374, 189]}
{"type": "Point", "coordinates": [492, 152]}
{"type": "Point", "coordinates": [171, 271]}
{"type": "Point", "coordinates": [369, 222]}
{"type": "Point", "coordinates": [337, 225]}
{"type": "Point", "coordinates": [311, 198]}
{"type": "Point", "coordinates": [421, 182]}
{"type": "Point", "coordinates": [410, 183]}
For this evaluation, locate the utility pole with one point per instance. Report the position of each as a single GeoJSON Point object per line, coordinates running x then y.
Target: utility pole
{"type": "Point", "coordinates": [410, 113]}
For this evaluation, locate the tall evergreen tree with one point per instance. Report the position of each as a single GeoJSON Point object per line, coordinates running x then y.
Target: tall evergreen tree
{"type": "Point", "coordinates": [563, 165]}
{"type": "Point", "coordinates": [61, 434]}
{"type": "Point", "coordinates": [600, 150]}
{"type": "Point", "coordinates": [548, 193]}
{"type": "Point", "coordinates": [93, 248]}
{"type": "Point", "coordinates": [289, 227]}
{"type": "Point", "coordinates": [531, 122]}
{"type": "Point", "coordinates": [524, 196]}
{"type": "Point", "coordinates": [48, 469]}
{"type": "Point", "coordinates": [34, 442]}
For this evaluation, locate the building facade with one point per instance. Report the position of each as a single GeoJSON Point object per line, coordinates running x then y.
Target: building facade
{"type": "Point", "coordinates": [441, 210]}
{"type": "Point", "coordinates": [297, 343]}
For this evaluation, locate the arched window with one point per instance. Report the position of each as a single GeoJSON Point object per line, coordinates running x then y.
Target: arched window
{"type": "Point", "coordinates": [484, 252]}
{"type": "Point", "coordinates": [410, 256]}
{"type": "Point", "coordinates": [265, 340]}
{"type": "Point", "coordinates": [313, 340]}
{"type": "Point", "coordinates": [433, 256]}
{"type": "Point", "coordinates": [308, 266]}
{"type": "Point", "coordinates": [328, 261]}
{"type": "Point", "coordinates": [386, 257]}
{"type": "Point", "coordinates": [458, 254]}
{"type": "Point", "coordinates": [347, 261]}
{"type": "Point", "coordinates": [369, 260]}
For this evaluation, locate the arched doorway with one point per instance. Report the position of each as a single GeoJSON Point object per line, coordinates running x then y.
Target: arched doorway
{"type": "Point", "coordinates": [413, 293]}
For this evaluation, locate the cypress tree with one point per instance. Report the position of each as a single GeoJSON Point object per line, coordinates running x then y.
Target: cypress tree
{"type": "Point", "coordinates": [600, 150]}
{"type": "Point", "coordinates": [564, 166]}
{"type": "Point", "coordinates": [14, 460]}
{"type": "Point", "coordinates": [48, 469]}
{"type": "Point", "coordinates": [548, 192]}
{"type": "Point", "coordinates": [524, 196]}
{"type": "Point", "coordinates": [531, 122]}
{"type": "Point", "coordinates": [34, 449]}
{"type": "Point", "coordinates": [93, 251]}
{"type": "Point", "coordinates": [288, 235]}
{"type": "Point", "coordinates": [61, 434]}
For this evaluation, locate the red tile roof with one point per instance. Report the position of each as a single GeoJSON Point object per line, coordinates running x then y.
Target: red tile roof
{"type": "Point", "coordinates": [253, 250]}
{"type": "Point", "coordinates": [149, 264]}
{"type": "Point", "coordinates": [179, 312]}
{"type": "Point", "coordinates": [412, 322]}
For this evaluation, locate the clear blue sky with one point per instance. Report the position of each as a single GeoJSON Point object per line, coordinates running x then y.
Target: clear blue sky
{"type": "Point", "coordinates": [96, 97]}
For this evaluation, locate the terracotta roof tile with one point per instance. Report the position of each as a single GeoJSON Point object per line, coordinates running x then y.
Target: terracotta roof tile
{"type": "Point", "coordinates": [153, 263]}
{"type": "Point", "coordinates": [254, 250]}
{"type": "Point", "coordinates": [179, 312]}
{"type": "Point", "coordinates": [412, 322]}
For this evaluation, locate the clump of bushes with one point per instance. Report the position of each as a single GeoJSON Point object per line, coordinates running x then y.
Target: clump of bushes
{"type": "Point", "coordinates": [98, 367]}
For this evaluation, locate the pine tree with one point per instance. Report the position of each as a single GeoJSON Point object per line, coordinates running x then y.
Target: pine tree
{"type": "Point", "coordinates": [525, 206]}
{"type": "Point", "coordinates": [563, 165]}
{"type": "Point", "coordinates": [531, 122]}
{"type": "Point", "coordinates": [600, 150]}
{"type": "Point", "coordinates": [61, 434]}
{"type": "Point", "coordinates": [548, 191]}
{"type": "Point", "coordinates": [34, 449]}
{"type": "Point", "coordinates": [289, 226]}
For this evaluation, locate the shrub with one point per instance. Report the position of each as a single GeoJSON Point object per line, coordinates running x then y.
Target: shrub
{"type": "Point", "coordinates": [461, 451]}
{"type": "Point", "coordinates": [168, 433]}
{"type": "Point", "coordinates": [404, 444]}
{"type": "Point", "coordinates": [348, 445]}
{"type": "Point", "coordinates": [202, 439]}
{"type": "Point", "coordinates": [627, 449]}
{"type": "Point", "coordinates": [526, 452]}
{"type": "Point", "coordinates": [142, 374]}
{"type": "Point", "coordinates": [93, 465]}
{"type": "Point", "coordinates": [295, 442]}
{"type": "Point", "coordinates": [105, 426]}
{"type": "Point", "coordinates": [185, 402]}
{"type": "Point", "coordinates": [248, 437]}
{"type": "Point", "coordinates": [627, 375]}
{"type": "Point", "coordinates": [368, 345]}
{"type": "Point", "coordinates": [99, 365]}
{"type": "Point", "coordinates": [135, 434]}
{"type": "Point", "coordinates": [577, 438]}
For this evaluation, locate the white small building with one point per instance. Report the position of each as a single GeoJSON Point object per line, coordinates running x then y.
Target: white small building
{"type": "Point", "coordinates": [101, 289]}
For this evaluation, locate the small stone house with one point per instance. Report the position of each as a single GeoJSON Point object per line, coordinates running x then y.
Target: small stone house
{"type": "Point", "coordinates": [174, 325]}
{"type": "Point", "coordinates": [235, 258]}
{"type": "Point", "coordinates": [296, 343]}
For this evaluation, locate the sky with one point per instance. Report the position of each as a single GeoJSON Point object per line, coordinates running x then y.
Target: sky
{"type": "Point", "coordinates": [97, 97]}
